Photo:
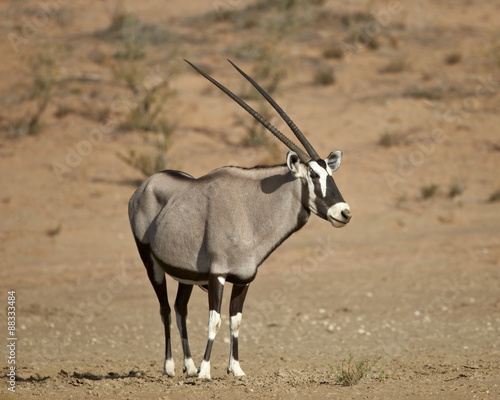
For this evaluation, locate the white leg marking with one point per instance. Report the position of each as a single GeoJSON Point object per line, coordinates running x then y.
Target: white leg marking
{"type": "Point", "coordinates": [214, 322]}
{"type": "Point", "coordinates": [189, 367]}
{"type": "Point", "coordinates": [235, 324]}
{"type": "Point", "coordinates": [234, 367]}
{"type": "Point", "coordinates": [204, 370]}
{"type": "Point", "coordinates": [222, 280]}
{"type": "Point", "coordinates": [169, 367]}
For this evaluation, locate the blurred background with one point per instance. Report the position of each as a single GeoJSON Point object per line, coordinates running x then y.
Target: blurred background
{"type": "Point", "coordinates": [96, 96]}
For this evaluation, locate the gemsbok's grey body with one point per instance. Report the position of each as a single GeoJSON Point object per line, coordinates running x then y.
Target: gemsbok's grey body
{"type": "Point", "coordinates": [221, 227]}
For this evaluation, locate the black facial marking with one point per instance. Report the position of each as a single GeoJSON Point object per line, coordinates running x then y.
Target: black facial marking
{"type": "Point", "coordinates": [321, 163]}
{"type": "Point", "coordinates": [332, 194]}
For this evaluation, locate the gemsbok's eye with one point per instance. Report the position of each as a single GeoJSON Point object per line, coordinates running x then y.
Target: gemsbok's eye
{"type": "Point", "coordinates": [313, 174]}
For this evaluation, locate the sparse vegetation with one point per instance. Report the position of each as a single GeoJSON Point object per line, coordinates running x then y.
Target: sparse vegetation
{"type": "Point", "coordinates": [256, 134]}
{"type": "Point", "coordinates": [351, 372]}
{"type": "Point", "coordinates": [429, 191]}
{"type": "Point", "coordinates": [390, 139]}
{"type": "Point", "coordinates": [268, 64]}
{"type": "Point", "coordinates": [334, 51]}
{"type": "Point", "coordinates": [269, 71]}
{"type": "Point", "coordinates": [456, 189]}
{"type": "Point", "coordinates": [324, 76]}
{"type": "Point", "coordinates": [146, 113]}
{"type": "Point", "coordinates": [151, 162]}
{"type": "Point", "coordinates": [43, 67]}
{"type": "Point", "coordinates": [148, 87]}
{"type": "Point", "coordinates": [395, 66]}
{"type": "Point", "coordinates": [128, 28]}
{"type": "Point", "coordinates": [495, 196]}
{"type": "Point", "coordinates": [360, 37]}
{"type": "Point", "coordinates": [453, 58]}
{"type": "Point", "coordinates": [429, 93]}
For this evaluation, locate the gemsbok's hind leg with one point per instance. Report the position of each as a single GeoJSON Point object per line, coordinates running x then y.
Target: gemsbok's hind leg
{"type": "Point", "coordinates": [215, 291]}
{"type": "Point", "coordinates": [157, 278]}
{"type": "Point", "coordinates": [238, 295]}
{"type": "Point", "coordinates": [181, 311]}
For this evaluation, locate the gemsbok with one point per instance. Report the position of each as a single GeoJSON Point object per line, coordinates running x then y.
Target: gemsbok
{"type": "Point", "coordinates": [222, 226]}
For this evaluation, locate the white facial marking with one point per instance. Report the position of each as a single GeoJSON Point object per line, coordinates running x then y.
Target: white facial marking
{"type": "Point", "coordinates": [158, 273]}
{"type": "Point", "coordinates": [214, 322]}
{"type": "Point", "coordinates": [322, 173]}
{"type": "Point", "coordinates": [204, 370]}
{"type": "Point", "coordinates": [189, 367]}
{"type": "Point", "coordinates": [235, 323]}
{"type": "Point", "coordinates": [335, 214]}
{"type": "Point", "coordinates": [169, 367]}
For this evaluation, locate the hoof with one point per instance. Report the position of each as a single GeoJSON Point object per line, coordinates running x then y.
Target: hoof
{"type": "Point", "coordinates": [169, 368]}
{"type": "Point", "coordinates": [204, 372]}
{"type": "Point", "coordinates": [235, 369]}
{"type": "Point", "coordinates": [189, 368]}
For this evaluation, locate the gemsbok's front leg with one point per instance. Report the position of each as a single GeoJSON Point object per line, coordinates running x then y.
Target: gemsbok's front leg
{"type": "Point", "coordinates": [181, 311]}
{"type": "Point", "coordinates": [215, 291]}
{"type": "Point", "coordinates": [235, 314]}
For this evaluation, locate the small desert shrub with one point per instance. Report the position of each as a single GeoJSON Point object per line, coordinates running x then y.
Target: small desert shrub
{"type": "Point", "coordinates": [268, 61]}
{"type": "Point", "coordinates": [430, 93]}
{"type": "Point", "coordinates": [128, 27]}
{"type": "Point", "coordinates": [151, 162]}
{"type": "Point", "coordinates": [43, 67]}
{"type": "Point", "coordinates": [335, 51]}
{"type": "Point", "coordinates": [453, 58]}
{"type": "Point", "coordinates": [395, 66]}
{"type": "Point", "coordinates": [429, 191]}
{"type": "Point", "coordinates": [360, 37]}
{"type": "Point", "coordinates": [389, 139]}
{"type": "Point", "coordinates": [351, 372]}
{"type": "Point", "coordinates": [148, 115]}
{"type": "Point", "coordinates": [325, 76]}
{"type": "Point", "coordinates": [495, 196]}
{"type": "Point", "coordinates": [456, 189]}
{"type": "Point", "coordinates": [256, 134]}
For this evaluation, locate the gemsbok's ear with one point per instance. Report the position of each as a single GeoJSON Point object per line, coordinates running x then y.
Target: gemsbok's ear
{"type": "Point", "coordinates": [334, 160]}
{"type": "Point", "coordinates": [293, 163]}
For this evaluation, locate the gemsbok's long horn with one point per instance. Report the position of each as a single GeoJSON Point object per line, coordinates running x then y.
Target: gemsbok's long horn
{"type": "Point", "coordinates": [271, 128]}
{"type": "Point", "coordinates": [295, 129]}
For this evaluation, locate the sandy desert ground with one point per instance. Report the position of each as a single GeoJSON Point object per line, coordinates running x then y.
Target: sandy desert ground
{"type": "Point", "coordinates": [409, 91]}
